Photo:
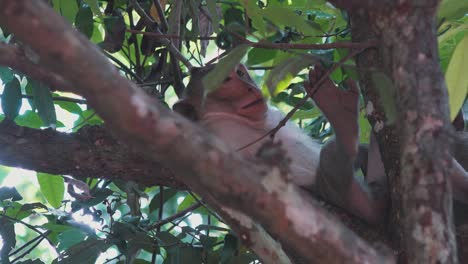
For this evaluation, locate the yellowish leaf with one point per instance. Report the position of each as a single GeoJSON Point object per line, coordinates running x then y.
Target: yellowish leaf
{"type": "Point", "coordinates": [457, 77]}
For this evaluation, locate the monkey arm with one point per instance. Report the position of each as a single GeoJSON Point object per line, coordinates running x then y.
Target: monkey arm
{"type": "Point", "coordinates": [335, 180]}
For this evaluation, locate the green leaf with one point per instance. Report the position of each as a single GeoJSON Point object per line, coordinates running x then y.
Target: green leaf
{"type": "Point", "coordinates": [29, 91]}
{"type": "Point", "coordinates": [98, 196]}
{"type": "Point", "coordinates": [52, 187]}
{"type": "Point", "coordinates": [281, 76]}
{"type": "Point", "coordinates": [71, 107]}
{"type": "Point", "coordinates": [212, 10]}
{"type": "Point", "coordinates": [457, 78]}
{"type": "Point", "coordinates": [6, 74]}
{"type": "Point", "coordinates": [69, 238]}
{"type": "Point", "coordinates": [11, 99]}
{"type": "Point", "coordinates": [29, 119]}
{"type": "Point", "coordinates": [84, 21]}
{"type": "Point", "coordinates": [258, 55]}
{"type": "Point", "coordinates": [44, 103]}
{"type": "Point", "coordinates": [230, 247]}
{"type": "Point", "coordinates": [94, 6]}
{"type": "Point", "coordinates": [365, 128]}
{"type": "Point", "coordinates": [215, 77]}
{"type": "Point", "coordinates": [168, 193]}
{"type": "Point", "coordinates": [67, 8]}
{"type": "Point", "coordinates": [288, 17]}
{"type": "Point", "coordinates": [183, 254]}
{"type": "Point", "coordinates": [452, 9]}
{"type": "Point", "coordinates": [254, 13]}
{"type": "Point", "coordinates": [85, 252]}
{"type": "Point", "coordinates": [166, 239]}
{"type": "Point", "coordinates": [387, 95]}
{"type": "Point", "coordinates": [306, 114]}
{"type": "Point", "coordinates": [187, 202]}
{"type": "Point", "coordinates": [9, 193]}
{"type": "Point", "coordinates": [8, 235]}
{"type": "Point", "coordinates": [4, 171]}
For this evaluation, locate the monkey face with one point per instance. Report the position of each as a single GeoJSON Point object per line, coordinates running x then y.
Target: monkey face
{"type": "Point", "coordinates": [243, 95]}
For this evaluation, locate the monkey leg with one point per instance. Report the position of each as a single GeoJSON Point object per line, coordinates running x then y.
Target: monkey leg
{"type": "Point", "coordinates": [459, 176]}
{"type": "Point", "coordinates": [336, 183]}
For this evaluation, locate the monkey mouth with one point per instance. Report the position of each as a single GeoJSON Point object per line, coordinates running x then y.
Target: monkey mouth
{"type": "Point", "coordinates": [258, 101]}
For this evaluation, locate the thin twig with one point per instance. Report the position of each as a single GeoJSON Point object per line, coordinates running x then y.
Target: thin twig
{"type": "Point", "coordinates": [334, 45]}
{"type": "Point", "coordinates": [29, 226]}
{"type": "Point", "coordinates": [59, 98]}
{"type": "Point", "coordinates": [37, 240]}
{"type": "Point", "coordinates": [175, 216]}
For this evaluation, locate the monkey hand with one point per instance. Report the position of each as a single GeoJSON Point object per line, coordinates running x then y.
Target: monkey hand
{"type": "Point", "coordinates": [340, 107]}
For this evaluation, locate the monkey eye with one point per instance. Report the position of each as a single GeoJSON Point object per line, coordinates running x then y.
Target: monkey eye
{"type": "Point", "coordinates": [240, 73]}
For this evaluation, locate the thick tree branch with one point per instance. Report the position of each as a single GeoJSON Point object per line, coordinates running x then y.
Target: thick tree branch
{"type": "Point", "coordinates": [14, 57]}
{"type": "Point", "coordinates": [421, 196]}
{"type": "Point", "coordinates": [95, 153]}
{"type": "Point", "coordinates": [202, 162]}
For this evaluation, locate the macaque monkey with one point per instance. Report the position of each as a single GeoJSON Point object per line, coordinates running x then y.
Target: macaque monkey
{"type": "Point", "coordinates": [237, 113]}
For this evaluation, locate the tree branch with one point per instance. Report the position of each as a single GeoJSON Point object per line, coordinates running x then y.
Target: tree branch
{"type": "Point", "coordinates": [200, 160]}
{"type": "Point", "coordinates": [13, 57]}
{"type": "Point", "coordinates": [96, 154]}
{"type": "Point", "coordinates": [419, 165]}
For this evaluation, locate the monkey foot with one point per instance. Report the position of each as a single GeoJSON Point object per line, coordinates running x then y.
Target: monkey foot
{"type": "Point", "coordinates": [339, 107]}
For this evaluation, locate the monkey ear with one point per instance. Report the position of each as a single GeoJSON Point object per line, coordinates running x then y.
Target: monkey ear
{"type": "Point", "coordinates": [187, 109]}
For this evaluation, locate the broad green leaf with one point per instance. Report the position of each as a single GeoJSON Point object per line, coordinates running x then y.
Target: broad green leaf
{"type": "Point", "coordinates": [306, 114]}
{"type": "Point", "coordinates": [94, 6]}
{"type": "Point", "coordinates": [67, 8]}
{"type": "Point", "coordinates": [18, 211]}
{"type": "Point", "coordinates": [11, 99]}
{"type": "Point", "coordinates": [84, 21]}
{"type": "Point", "coordinates": [216, 76]}
{"type": "Point", "coordinates": [56, 229]}
{"type": "Point", "coordinates": [452, 9]}
{"type": "Point", "coordinates": [288, 17]}
{"type": "Point", "coordinates": [6, 74]}
{"type": "Point", "coordinates": [29, 91]}
{"type": "Point", "coordinates": [167, 194]}
{"type": "Point", "coordinates": [365, 128]}
{"type": "Point", "coordinates": [212, 10]}
{"type": "Point", "coordinates": [187, 202]}
{"type": "Point", "coordinates": [387, 95]}
{"type": "Point", "coordinates": [254, 13]}
{"type": "Point", "coordinates": [4, 171]}
{"type": "Point", "coordinates": [9, 193]}
{"type": "Point", "coordinates": [233, 15]}
{"type": "Point", "coordinates": [231, 245]}
{"type": "Point", "coordinates": [98, 196]}
{"type": "Point", "coordinates": [29, 119]}
{"type": "Point", "coordinates": [281, 76]}
{"type": "Point", "coordinates": [85, 252]}
{"type": "Point", "coordinates": [69, 238]}
{"type": "Point", "coordinates": [88, 117]}
{"type": "Point", "coordinates": [44, 103]}
{"type": "Point", "coordinates": [457, 77]}
{"type": "Point", "coordinates": [52, 187]}
{"type": "Point", "coordinates": [258, 55]}
{"type": "Point", "coordinates": [71, 107]}
{"type": "Point", "coordinates": [183, 254]}
{"type": "Point", "coordinates": [166, 239]}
